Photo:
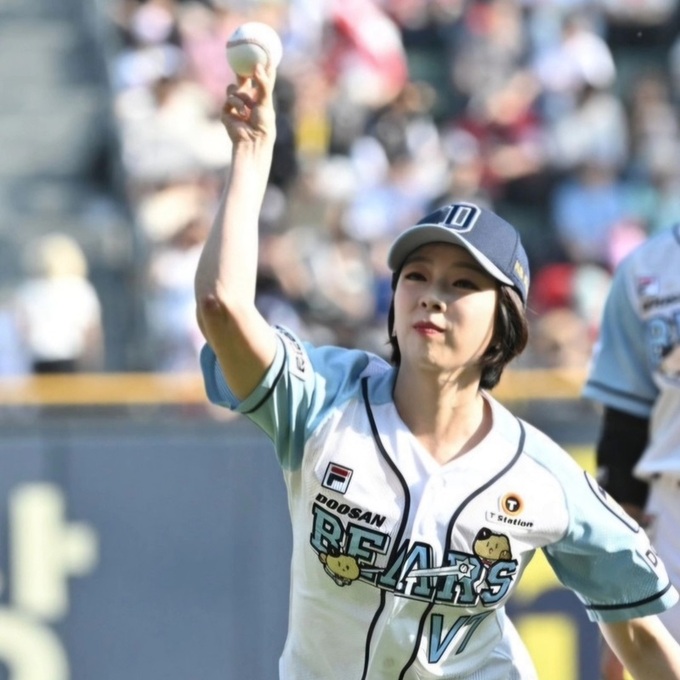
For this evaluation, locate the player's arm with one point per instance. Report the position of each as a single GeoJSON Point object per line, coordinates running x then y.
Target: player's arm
{"type": "Point", "coordinates": [622, 440]}
{"type": "Point", "coordinates": [243, 341]}
{"type": "Point", "coordinates": [645, 647]}
{"type": "Point", "coordinates": [621, 380]}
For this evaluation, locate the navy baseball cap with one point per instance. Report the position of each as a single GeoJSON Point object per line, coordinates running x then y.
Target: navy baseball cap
{"type": "Point", "coordinates": [493, 242]}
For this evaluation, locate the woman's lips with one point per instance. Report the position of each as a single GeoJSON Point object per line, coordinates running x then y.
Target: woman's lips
{"type": "Point", "coordinates": [427, 328]}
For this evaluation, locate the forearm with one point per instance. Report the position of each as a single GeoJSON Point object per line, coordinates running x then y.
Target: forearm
{"type": "Point", "coordinates": [227, 269]}
{"type": "Point", "coordinates": [622, 441]}
{"type": "Point", "coordinates": [645, 647]}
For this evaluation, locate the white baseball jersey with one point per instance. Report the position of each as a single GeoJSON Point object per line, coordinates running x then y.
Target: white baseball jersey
{"type": "Point", "coordinates": [401, 567]}
{"type": "Point", "coordinates": [636, 364]}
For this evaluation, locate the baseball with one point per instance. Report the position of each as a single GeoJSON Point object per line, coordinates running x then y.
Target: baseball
{"type": "Point", "coordinates": [253, 43]}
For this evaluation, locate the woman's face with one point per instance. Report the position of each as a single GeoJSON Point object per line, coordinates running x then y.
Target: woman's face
{"type": "Point", "coordinates": [444, 309]}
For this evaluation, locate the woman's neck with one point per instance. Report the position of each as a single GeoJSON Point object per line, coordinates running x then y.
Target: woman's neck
{"type": "Point", "coordinates": [447, 417]}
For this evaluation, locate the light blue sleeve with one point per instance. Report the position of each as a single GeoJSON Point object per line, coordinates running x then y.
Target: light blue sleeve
{"type": "Point", "coordinates": [298, 390]}
{"type": "Point", "coordinates": [604, 556]}
{"type": "Point", "coordinates": [621, 374]}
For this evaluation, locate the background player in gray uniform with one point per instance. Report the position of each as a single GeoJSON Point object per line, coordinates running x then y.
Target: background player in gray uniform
{"type": "Point", "coordinates": [416, 499]}
{"type": "Point", "coordinates": [636, 376]}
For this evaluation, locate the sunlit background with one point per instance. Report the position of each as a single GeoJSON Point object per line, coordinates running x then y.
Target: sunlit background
{"type": "Point", "coordinates": [144, 535]}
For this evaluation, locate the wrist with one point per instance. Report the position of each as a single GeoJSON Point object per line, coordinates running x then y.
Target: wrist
{"type": "Point", "coordinates": [253, 149]}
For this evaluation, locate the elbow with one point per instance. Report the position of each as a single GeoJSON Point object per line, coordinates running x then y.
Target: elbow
{"type": "Point", "coordinates": [217, 312]}
{"type": "Point", "coordinates": [207, 314]}
{"type": "Point", "coordinates": [211, 306]}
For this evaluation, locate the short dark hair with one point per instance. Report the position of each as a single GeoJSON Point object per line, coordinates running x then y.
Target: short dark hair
{"type": "Point", "coordinates": [510, 335]}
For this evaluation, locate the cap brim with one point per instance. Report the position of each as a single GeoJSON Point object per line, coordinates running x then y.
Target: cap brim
{"type": "Point", "coordinates": [422, 234]}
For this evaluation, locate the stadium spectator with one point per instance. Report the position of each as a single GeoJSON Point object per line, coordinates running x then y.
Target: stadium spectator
{"type": "Point", "coordinates": [58, 308]}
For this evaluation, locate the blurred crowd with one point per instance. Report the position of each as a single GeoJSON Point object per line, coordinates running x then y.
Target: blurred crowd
{"type": "Point", "coordinates": [562, 116]}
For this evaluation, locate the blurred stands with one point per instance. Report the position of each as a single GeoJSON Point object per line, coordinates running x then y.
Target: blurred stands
{"type": "Point", "coordinates": [58, 170]}
{"type": "Point", "coordinates": [562, 116]}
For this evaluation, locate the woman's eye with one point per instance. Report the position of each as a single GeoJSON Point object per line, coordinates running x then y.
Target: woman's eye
{"type": "Point", "coordinates": [465, 283]}
{"type": "Point", "coordinates": [414, 276]}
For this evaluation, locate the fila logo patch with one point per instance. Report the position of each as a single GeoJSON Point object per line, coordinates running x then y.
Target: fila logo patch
{"type": "Point", "coordinates": [337, 477]}
{"type": "Point", "coordinates": [462, 216]}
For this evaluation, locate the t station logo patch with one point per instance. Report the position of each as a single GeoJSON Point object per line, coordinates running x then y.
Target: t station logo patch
{"type": "Point", "coordinates": [337, 478]}
{"type": "Point", "coordinates": [511, 504]}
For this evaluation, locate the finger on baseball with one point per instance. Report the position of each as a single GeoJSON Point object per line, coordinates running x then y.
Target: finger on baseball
{"type": "Point", "coordinates": [232, 93]}
{"type": "Point", "coordinates": [244, 97]}
{"type": "Point", "coordinates": [264, 79]}
{"type": "Point", "coordinates": [236, 106]}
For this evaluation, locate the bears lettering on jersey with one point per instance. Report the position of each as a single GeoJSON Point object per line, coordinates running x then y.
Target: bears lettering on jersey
{"type": "Point", "coordinates": [350, 552]}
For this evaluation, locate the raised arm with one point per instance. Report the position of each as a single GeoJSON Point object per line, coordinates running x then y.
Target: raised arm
{"type": "Point", "coordinates": [645, 647]}
{"type": "Point", "coordinates": [225, 279]}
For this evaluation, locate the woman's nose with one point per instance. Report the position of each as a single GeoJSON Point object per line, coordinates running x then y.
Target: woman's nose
{"type": "Point", "coordinates": [432, 301]}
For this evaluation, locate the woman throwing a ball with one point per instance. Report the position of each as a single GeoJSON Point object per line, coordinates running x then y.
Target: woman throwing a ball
{"type": "Point", "coordinates": [416, 499]}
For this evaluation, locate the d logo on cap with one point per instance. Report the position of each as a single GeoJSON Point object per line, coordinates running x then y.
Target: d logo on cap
{"type": "Point", "coordinates": [462, 216]}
